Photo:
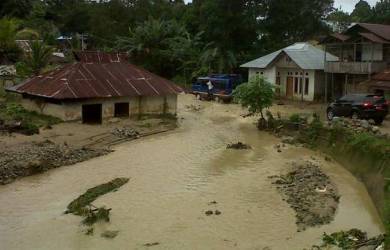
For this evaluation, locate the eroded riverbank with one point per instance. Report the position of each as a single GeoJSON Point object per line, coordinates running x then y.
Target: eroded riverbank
{"type": "Point", "coordinates": [174, 177]}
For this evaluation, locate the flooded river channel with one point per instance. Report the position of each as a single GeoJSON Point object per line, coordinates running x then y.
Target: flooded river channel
{"type": "Point", "coordinates": [173, 178]}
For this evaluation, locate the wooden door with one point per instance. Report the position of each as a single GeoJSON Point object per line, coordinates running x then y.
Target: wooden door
{"type": "Point", "coordinates": [290, 87]}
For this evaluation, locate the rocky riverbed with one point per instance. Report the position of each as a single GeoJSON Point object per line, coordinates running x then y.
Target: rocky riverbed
{"type": "Point", "coordinates": [310, 193]}
{"type": "Point", "coordinates": [36, 157]}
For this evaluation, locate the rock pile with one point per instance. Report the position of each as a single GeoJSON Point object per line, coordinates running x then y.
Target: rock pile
{"type": "Point", "coordinates": [126, 132]}
{"type": "Point", "coordinates": [238, 146]}
{"type": "Point", "coordinates": [33, 158]}
{"type": "Point", "coordinates": [310, 193]}
{"type": "Point", "coordinates": [357, 126]}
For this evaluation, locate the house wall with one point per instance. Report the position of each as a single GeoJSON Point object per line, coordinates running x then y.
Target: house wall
{"type": "Point", "coordinates": [70, 111]}
{"type": "Point", "coordinates": [376, 52]}
{"type": "Point", "coordinates": [283, 68]}
{"type": "Point", "coordinates": [292, 70]}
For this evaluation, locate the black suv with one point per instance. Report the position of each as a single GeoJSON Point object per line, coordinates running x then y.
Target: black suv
{"type": "Point", "coordinates": [360, 106]}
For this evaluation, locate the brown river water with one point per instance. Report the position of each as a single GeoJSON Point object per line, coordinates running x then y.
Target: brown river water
{"type": "Point", "coordinates": [173, 178]}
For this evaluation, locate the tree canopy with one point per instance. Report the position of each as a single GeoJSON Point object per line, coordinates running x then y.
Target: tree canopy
{"type": "Point", "coordinates": [178, 39]}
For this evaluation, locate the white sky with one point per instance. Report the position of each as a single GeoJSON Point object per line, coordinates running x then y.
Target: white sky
{"type": "Point", "coordinates": [346, 5]}
{"type": "Point", "coordinates": [349, 5]}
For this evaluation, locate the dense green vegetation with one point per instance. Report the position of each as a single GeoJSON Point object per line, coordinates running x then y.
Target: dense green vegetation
{"type": "Point", "coordinates": [13, 117]}
{"type": "Point", "coordinates": [172, 38]}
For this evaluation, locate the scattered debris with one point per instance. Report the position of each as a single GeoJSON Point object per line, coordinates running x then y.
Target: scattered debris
{"type": "Point", "coordinates": [126, 132]}
{"type": "Point", "coordinates": [109, 234]}
{"type": "Point", "coordinates": [151, 244]}
{"type": "Point", "coordinates": [310, 193]}
{"type": "Point", "coordinates": [217, 212]}
{"type": "Point", "coordinates": [209, 212]}
{"type": "Point", "coordinates": [238, 146]}
{"type": "Point", "coordinates": [352, 239]}
{"type": "Point", "coordinates": [213, 203]}
{"type": "Point", "coordinates": [38, 157]}
{"type": "Point", "coordinates": [94, 215]}
{"type": "Point", "coordinates": [82, 205]}
{"type": "Point", "coordinates": [89, 231]}
{"type": "Point", "coordinates": [193, 107]}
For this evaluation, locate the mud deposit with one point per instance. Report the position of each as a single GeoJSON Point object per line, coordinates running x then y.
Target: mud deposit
{"type": "Point", "coordinates": [175, 177]}
{"type": "Point", "coordinates": [38, 157]}
{"type": "Point", "coordinates": [310, 193]}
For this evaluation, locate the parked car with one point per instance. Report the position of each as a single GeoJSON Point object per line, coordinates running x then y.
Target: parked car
{"type": "Point", "coordinates": [222, 86]}
{"type": "Point", "coordinates": [360, 106]}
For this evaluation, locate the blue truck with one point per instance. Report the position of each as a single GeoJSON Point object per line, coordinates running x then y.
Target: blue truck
{"type": "Point", "coordinates": [222, 87]}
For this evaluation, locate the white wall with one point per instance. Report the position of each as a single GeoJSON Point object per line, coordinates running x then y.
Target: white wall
{"type": "Point", "coordinates": [295, 72]}
{"type": "Point", "coordinates": [376, 52]}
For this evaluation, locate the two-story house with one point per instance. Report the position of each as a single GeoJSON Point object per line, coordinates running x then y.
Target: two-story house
{"type": "Point", "coordinates": [362, 50]}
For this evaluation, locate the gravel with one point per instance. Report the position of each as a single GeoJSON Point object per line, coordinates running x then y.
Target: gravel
{"type": "Point", "coordinates": [37, 157]}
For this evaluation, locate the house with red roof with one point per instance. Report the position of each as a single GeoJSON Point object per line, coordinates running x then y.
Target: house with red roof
{"type": "Point", "coordinates": [98, 86]}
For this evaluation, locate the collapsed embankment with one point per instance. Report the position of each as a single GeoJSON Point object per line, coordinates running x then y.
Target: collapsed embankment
{"type": "Point", "coordinates": [358, 146]}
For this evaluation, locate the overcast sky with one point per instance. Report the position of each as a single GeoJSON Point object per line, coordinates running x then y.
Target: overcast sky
{"type": "Point", "coordinates": [346, 5]}
{"type": "Point", "coordinates": [349, 5]}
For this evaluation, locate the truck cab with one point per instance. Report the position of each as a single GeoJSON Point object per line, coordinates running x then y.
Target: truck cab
{"type": "Point", "coordinates": [223, 86]}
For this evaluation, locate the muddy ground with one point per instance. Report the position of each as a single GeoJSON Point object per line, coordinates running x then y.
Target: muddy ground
{"type": "Point", "coordinates": [69, 143]}
{"type": "Point", "coordinates": [176, 178]}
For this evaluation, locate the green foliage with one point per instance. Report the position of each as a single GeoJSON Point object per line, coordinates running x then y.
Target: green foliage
{"type": "Point", "coordinates": [351, 239]}
{"type": "Point", "coordinates": [30, 121]}
{"type": "Point", "coordinates": [82, 205]}
{"type": "Point", "coordinates": [9, 51]}
{"type": "Point", "coordinates": [362, 12]}
{"type": "Point", "coordinates": [369, 144]}
{"type": "Point", "coordinates": [297, 118]}
{"type": "Point", "coordinates": [340, 19]}
{"type": "Point", "coordinates": [27, 34]}
{"type": "Point", "coordinates": [255, 95]}
{"type": "Point", "coordinates": [314, 129]}
{"type": "Point", "coordinates": [39, 57]}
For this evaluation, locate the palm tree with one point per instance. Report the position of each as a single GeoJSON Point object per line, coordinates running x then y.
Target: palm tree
{"type": "Point", "coordinates": [39, 57]}
{"type": "Point", "coordinates": [218, 59]}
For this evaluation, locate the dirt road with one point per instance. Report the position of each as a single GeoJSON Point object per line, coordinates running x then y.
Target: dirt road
{"type": "Point", "coordinates": [174, 179]}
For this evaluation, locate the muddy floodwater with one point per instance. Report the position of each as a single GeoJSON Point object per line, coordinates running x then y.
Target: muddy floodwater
{"type": "Point", "coordinates": [173, 178]}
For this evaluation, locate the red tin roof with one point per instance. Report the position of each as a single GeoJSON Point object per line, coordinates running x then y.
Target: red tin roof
{"type": "Point", "coordinates": [373, 38]}
{"type": "Point", "coordinates": [97, 75]}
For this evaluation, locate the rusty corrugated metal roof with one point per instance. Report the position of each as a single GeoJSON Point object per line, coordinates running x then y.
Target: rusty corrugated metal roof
{"type": "Point", "coordinates": [382, 76]}
{"type": "Point", "coordinates": [97, 75]}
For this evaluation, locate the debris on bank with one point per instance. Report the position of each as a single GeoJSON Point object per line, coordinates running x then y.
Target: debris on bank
{"type": "Point", "coordinates": [310, 193]}
{"type": "Point", "coordinates": [352, 239]}
{"type": "Point", "coordinates": [80, 205]}
{"type": "Point", "coordinates": [126, 132]}
{"type": "Point", "coordinates": [238, 146]}
{"type": "Point", "coordinates": [37, 157]}
{"type": "Point", "coordinates": [109, 234]}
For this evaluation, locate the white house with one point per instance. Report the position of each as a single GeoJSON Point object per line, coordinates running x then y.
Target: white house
{"type": "Point", "coordinates": [297, 69]}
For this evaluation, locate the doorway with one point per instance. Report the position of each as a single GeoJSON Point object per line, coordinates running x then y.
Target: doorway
{"type": "Point", "coordinates": [290, 87]}
{"type": "Point", "coordinates": [92, 113]}
{"type": "Point", "coordinates": [121, 109]}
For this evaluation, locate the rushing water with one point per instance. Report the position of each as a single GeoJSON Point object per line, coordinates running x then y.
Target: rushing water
{"type": "Point", "coordinates": [174, 176]}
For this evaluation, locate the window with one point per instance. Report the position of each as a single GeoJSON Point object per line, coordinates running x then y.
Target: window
{"type": "Point", "coordinates": [307, 82]}
{"type": "Point", "coordinates": [296, 87]}
{"type": "Point", "coordinates": [262, 72]}
{"type": "Point", "coordinates": [300, 86]}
